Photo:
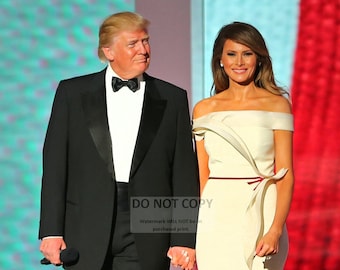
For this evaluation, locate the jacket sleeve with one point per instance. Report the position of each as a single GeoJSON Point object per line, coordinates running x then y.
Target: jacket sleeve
{"type": "Point", "coordinates": [185, 181]}
{"type": "Point", "coordinates": [54, 178]}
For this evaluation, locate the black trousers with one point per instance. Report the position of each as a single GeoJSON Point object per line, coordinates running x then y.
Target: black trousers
{"type": "Point", "coordinates": [122, 253]}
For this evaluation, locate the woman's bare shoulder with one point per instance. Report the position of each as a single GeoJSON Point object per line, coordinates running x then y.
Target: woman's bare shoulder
{"type": "Point", "coordinates": [275, 103]}
{"type": "Point", "coordinates": [281, 104]}
{"type": "Point", "coordinates": [203, 107]}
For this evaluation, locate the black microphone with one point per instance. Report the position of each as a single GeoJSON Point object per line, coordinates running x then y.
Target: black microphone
{"type": "Point", "coordinates": [68, 257]}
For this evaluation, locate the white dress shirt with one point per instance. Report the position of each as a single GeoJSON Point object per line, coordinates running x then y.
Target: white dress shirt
{"type": "Point", "coordinates": [124, 109]}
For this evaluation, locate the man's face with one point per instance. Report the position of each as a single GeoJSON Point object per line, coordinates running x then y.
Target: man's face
{"type": "Point", "coordinates": [129, 53]}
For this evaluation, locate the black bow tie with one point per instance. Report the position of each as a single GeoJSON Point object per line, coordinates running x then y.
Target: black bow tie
{"type": "Point", "coordinates": [118, 83]}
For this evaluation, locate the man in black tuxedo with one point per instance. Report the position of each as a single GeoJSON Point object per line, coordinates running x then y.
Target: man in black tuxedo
{"type": "Point", "coordinates": [116, 135]}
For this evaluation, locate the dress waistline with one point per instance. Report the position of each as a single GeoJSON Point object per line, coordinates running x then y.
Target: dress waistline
{"type": "Point", "coordinates": [253, 180]}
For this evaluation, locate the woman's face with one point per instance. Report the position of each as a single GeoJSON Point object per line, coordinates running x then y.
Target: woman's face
{"type": "Point", "coordinates": [239, 62]}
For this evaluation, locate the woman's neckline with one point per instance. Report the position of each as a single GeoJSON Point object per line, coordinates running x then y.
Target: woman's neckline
{"type": "Point", "coordinates": [244, 111]}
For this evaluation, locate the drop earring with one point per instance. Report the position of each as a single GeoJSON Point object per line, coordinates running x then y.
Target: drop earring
{"type": "Point", "coordinates": [221, 65]}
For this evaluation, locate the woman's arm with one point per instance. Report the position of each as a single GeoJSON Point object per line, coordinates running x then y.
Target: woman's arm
{"type": "Point", "coordinates": [203, 168]}
{"type": "Point", "coordinates": [202, 156]}
{"type": "Point", "coordinates": [283, 147]}
{"type": "Point", "coordinates": [269, 244]}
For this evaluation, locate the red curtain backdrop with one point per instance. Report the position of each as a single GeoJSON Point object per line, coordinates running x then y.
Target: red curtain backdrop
{"type": "Point", "coordinates": [314, 220]}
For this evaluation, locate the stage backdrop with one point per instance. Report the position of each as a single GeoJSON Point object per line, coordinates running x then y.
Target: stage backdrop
{"type": "Point", "coordinates": [42, 42]}
{"type": "Point", "coordinates": [314, 221]}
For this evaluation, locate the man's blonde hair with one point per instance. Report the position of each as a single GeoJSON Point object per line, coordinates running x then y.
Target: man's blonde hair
{"type": "Point", "coordinates": [112, 25]}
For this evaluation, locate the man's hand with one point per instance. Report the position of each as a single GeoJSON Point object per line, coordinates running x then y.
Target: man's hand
{"type": "Point", "coordinates": [50, 247]}
{"type": "Point", "coordinates": [182, 256]}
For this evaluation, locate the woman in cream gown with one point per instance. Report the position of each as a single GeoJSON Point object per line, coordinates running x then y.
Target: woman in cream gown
{"type": "Point", "coordinates": [243, 139]}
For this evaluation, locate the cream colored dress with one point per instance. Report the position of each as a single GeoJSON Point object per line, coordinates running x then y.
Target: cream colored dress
{"type": "Point", "coordinates": [238, 202]}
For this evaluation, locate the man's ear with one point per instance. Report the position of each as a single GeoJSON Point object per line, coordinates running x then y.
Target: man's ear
{"type": "Point", "coordinates": [108, 53]}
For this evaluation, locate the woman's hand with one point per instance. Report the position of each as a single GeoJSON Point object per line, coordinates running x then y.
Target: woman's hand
{"type": "Point", "coordinates": [268, 244]}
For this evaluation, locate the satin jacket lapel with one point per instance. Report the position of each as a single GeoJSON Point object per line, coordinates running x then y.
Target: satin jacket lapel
{"type": "Point", "coordinates": [95, 110]}
{"type": "Point", "coordinates": [152, 114]}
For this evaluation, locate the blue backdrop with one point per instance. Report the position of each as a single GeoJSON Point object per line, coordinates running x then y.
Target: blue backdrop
{"type": "Point", "coordinates": [276, 20]}
{"type": "Point", "coordinates": [41, 42]}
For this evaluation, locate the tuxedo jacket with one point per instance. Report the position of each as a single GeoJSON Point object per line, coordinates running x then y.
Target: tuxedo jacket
{"type": "Point", "coordinates": [78, 182]}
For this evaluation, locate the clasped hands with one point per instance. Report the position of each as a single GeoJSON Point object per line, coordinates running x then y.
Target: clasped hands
{"type": "Point", "coordinates": [183, 257]}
